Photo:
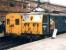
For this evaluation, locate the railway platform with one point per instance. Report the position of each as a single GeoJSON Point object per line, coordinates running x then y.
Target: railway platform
{"type": "Point", "coordinates": [59, 43]}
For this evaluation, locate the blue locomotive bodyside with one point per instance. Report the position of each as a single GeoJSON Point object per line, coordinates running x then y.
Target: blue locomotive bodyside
{"type": "Point", "coordinates": [60, 22]}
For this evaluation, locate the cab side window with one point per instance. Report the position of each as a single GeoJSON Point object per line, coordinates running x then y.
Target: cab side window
{"type": "Point", "coordinates": [17, 21]}
{"type": "Point", "coordinates": [45, 18]}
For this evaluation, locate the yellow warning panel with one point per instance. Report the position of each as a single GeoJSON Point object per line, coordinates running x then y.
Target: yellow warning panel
{"type": "Point", "coordinates": [13, 23]}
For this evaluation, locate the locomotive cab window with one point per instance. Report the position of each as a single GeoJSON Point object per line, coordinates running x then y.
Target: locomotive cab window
{"type": "Point", "coordinates": [17, 21]}
{"type": "Point", "coordinates": [8, 21]}
{"type": "Point", "coordinates": [45, 18]}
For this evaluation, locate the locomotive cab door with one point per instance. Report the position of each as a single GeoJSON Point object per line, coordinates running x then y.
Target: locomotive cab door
{"type": "Point", "coordinates": [13, 24]}
{"type": "Point", "coordinates": [45, 24]}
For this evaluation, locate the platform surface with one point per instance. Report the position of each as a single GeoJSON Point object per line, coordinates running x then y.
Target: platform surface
{"type": "Point", "coordinates": [45, 44]}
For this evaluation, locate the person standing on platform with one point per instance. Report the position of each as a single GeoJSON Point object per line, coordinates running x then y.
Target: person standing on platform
{"type": "Point", "coordinates": [53, 29]}
{"type": "Point", "coordinates": [52, 26]}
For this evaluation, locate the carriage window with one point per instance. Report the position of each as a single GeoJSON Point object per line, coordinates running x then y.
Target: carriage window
{"type": "Point", "coordinates": [8, 21]}
{"type": "Point", "coordinates": [17, 21]}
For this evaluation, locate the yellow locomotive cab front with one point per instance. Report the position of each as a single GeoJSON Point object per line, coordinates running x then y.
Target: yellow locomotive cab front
{"type": "Point", "coordinates": [13, 23]}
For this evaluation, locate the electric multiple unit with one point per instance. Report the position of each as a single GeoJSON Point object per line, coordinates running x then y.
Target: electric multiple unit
{"type": "Point", "coordinates": [33, 23]}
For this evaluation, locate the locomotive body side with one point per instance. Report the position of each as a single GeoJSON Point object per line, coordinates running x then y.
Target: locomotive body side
{"type": "Point", "coordinates": [60, 22]}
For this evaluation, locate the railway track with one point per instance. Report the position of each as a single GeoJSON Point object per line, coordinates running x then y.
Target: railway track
{"type": "Point", "coordinates": [9, 42]}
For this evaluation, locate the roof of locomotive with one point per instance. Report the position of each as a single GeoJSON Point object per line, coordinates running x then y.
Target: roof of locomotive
{"type": "Point", "coordinates": [60, 14]}
{"type": "Point", "coordinates": [43, 13]}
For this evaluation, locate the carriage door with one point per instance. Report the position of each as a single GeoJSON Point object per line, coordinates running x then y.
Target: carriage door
{"type": "Point", "coordinates": [14, 25]}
